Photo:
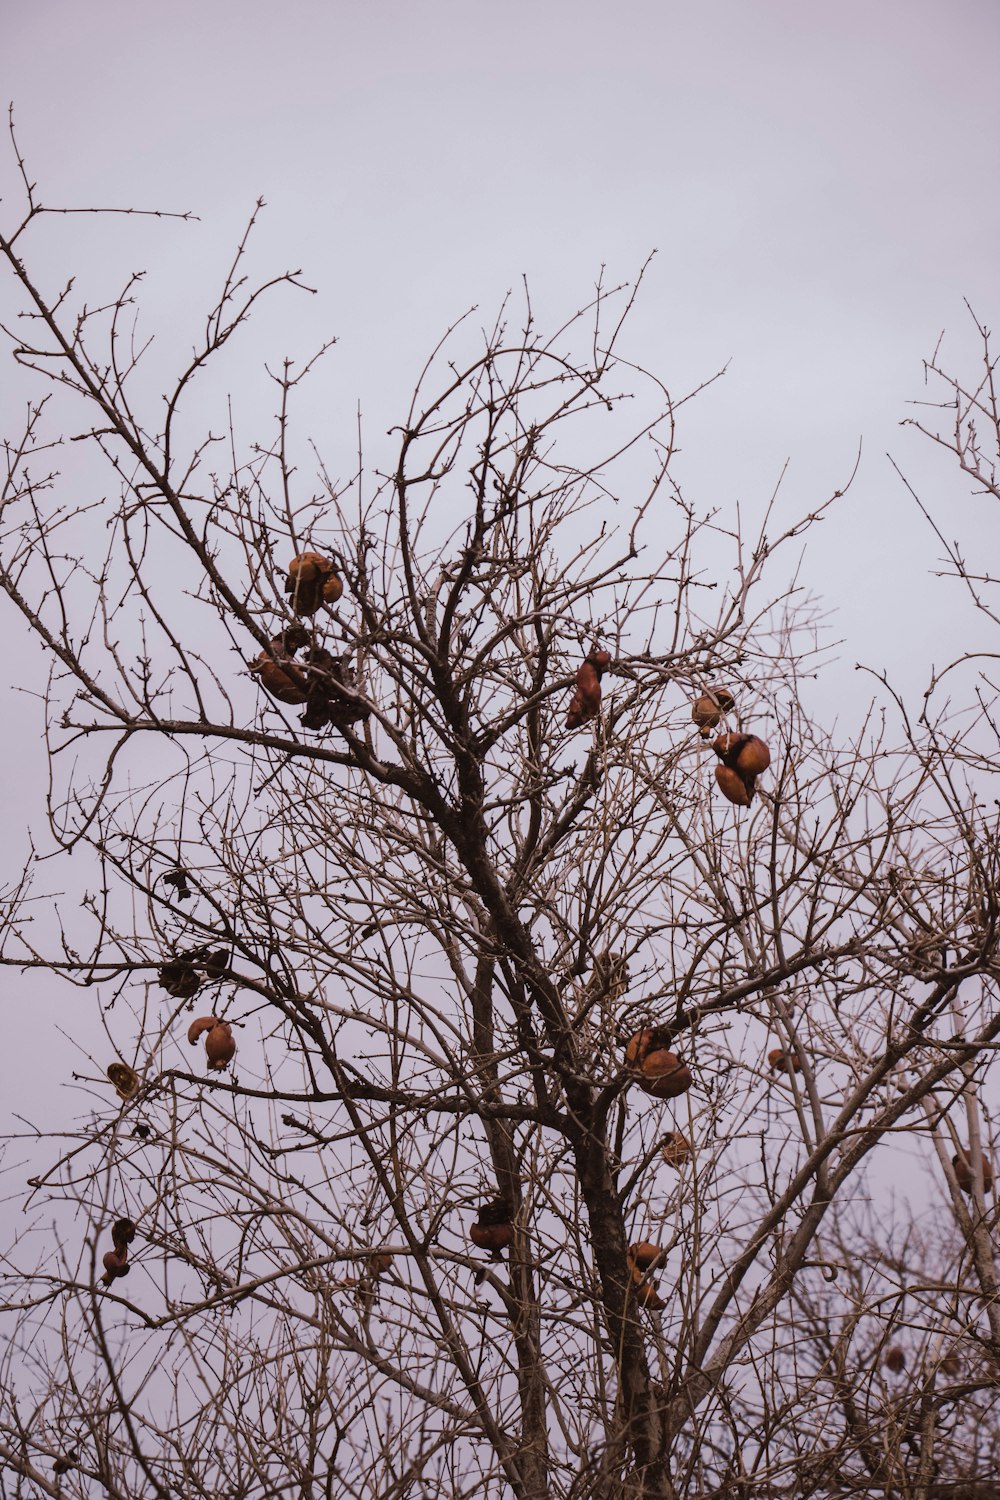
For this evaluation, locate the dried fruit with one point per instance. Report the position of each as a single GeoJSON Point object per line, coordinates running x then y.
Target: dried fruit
{"type": "Point", "coordinates": [658, 1070]}
{"type": "Point", "coordinates": [754, 756]}
{"type": "Point", "coordinates": [379, 1263]}
{"type": "Point", "coordinates": [493, 1229]}
{"type": "Point", "coordinates": [122, 1235]}
{"type": "Point", "coordinates": [675, 1148]}
{"type": "Point", "coordinates": [734, 786]}
{"type": "Point", "coordinates": [220, 1045]}
{"type": "Point", "coordinates": [278, 670]}
{"type": "Point", "coordinates": [962, 1163]}
{"type": "Point", "coordinates": [644, 1256]}
{"type": "Point", "coordinates": [115, 1264]}
{"type": "Point", "coordinates": [124, 1078]}
{"type": "Point", "coordinates": [781, 1061]}
{"type": "Point", "coordinates": [895, 1360]}
{"type": "Point", "coordinates": [585, 703]}
{"type": "Point", "coordinates": [311, 582]}
{"type": "Point", "coordinates": [707, 710]}
{"type": "Point", "coordinates": [179, 978]}
{"type": "Point", "coordinates": [642, 1259]}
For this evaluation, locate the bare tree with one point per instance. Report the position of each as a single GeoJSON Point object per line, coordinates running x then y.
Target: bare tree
{"type": "Point", "coordinates": [554, 980]}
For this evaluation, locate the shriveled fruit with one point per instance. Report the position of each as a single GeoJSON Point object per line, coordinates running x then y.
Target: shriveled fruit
{"type": "Point", "coordinates": [675, 1149]}
{"type": "Point", "coordinates": [115, 1264]}
{"type": "Point", "coordinates": [493, 1229]}
{"type": "Point", "coordinates": [585, 703]}
{"type": "Point", "coordinates": [220, 1045]}
{"type": "Point", "coordinates": [962, 1162]}
{"type": "Point", "coordinates": [310, 577]}
{"type": "Point", "coordinates": [781, 1061]}
{"type": "Point", "coordinates": [707, 710]}
{"type": "Point", "coordinates": [179, 978]}
{"type": "Point", "coordinates": [895, 1360]}
{"type": "Point", "coordinates": [124, 1078]}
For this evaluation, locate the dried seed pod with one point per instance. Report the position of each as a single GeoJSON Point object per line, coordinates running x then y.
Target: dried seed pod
{"type": "Point", "coordinates": [895, 1360]}
{"type": "Point", "coordinates": [493, 1229]}
{"type": "Point", "coordinates": [124, 1078]}
{"type": "Point", "coordinates": [179, 978]}
{"type": "Point", "coordinates": [732, 785]}
{"type": "Point", "coordinates": [962, 1162]}
{"type": "Point", "coordinates": [675, 1149]}
{"type": "Point", "coordinates": [585, 703]}
{"type": "Point", "coordinates": [781, 1061]}
{"type": "Point", "coordinates": [707, 710]}
{"type": "Point", "coordinates": [753, 756]}
{"type": "Point", "coordinates": [310, 574]}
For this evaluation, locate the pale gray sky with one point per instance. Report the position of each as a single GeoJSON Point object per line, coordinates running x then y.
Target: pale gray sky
{"type": "Point", "coordinates": [820, 183]}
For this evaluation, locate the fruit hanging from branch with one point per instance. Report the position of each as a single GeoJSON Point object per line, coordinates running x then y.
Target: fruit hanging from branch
{"type": "Point", "coordinates": [585, 703]}
{"type": "Point", "coordinates": [895, 1360]}
{"type": "Point", "coordinates": [312, 581]}
{"type": "Point", "coordinates": [277, 670]}
{"type": "Point", "coordinates": [642, 1259]}
{"type": "Point", "coordinates": [179, 978]}
{"type": "Point", "coordinates": [116, 1261]}
{"type": "Point", "coordinates": [493, 1229]}
{"type": "Point", "coordinates": [657, 1070]}
{"type": "Point", "coordinates": [124, 1078]}
{"type": "Point", "coordinates": [781, 1061]}
{"type": "Point", "coordinates": [220, 1044]}
{"type": "Point", "coordinates": [708, 709]}
{"type": "Point", "coordinates": [962, 1162]}
{"type": "Point", "coordinates": [743, 757]}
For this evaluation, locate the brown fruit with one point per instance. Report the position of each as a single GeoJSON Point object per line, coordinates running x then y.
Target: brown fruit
{"type": "Point", "coordinates": [115, 1264]}
{"type": "Point", "coordinates": [310, 574]}
{"type": "Point", "coordinates": [648, 1297]}
{"type": "Point", "coordinates": [644, 1256]}
{"type": "Point", "coordinates": [781, 1061]}
{"type": "Point", "coordinates": [675, 1149]}
{"type": "Point", "coordinates": [895, 1360]}
{"type": "Point", "coordinates": [707, 710]}
{"type": "Point", "coordinates": [950, 1365]}
{"type": "Point", "coordinates": [964, 1173]}
{"type": "Point", "coordinates": [585, 703]}
{"type": "Point", "coordinates": [220, 1045]}
{"type": "Point", "coordinates": [753, 756]}
{"type": "Point", "coordinates": [280, 683]}
{"type": "Point", "coordinates": [664, 1075]}
{"type": "Point", "coordinates": [124, 1078]}
{"type": "Point", "coordinates": [638, 1045]}
{"type": "Point", "coordinates": [493, 1229]}
{"type": "Point", "coordinates": [379, 1263]}
{"type": "Point", "coordinates": [735, 787]}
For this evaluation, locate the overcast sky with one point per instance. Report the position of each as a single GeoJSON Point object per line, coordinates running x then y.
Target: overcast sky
{"type": "Point", "coordinates": [819, 181]}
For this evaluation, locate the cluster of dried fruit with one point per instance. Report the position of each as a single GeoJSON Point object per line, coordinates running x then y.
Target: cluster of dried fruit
{"type": "Point", "coordinates": [183, 975]}
{"type": "Point", "coordinates": [742, 758]}
{"type": "Point", "coordinates": [116, 1260]}
{"type": "Point", "coordinates": [642, 1259]}
{"type": "Point", "coordinates": [324, 683]}
{"type": "Point", "coordinates": [585, 703]}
